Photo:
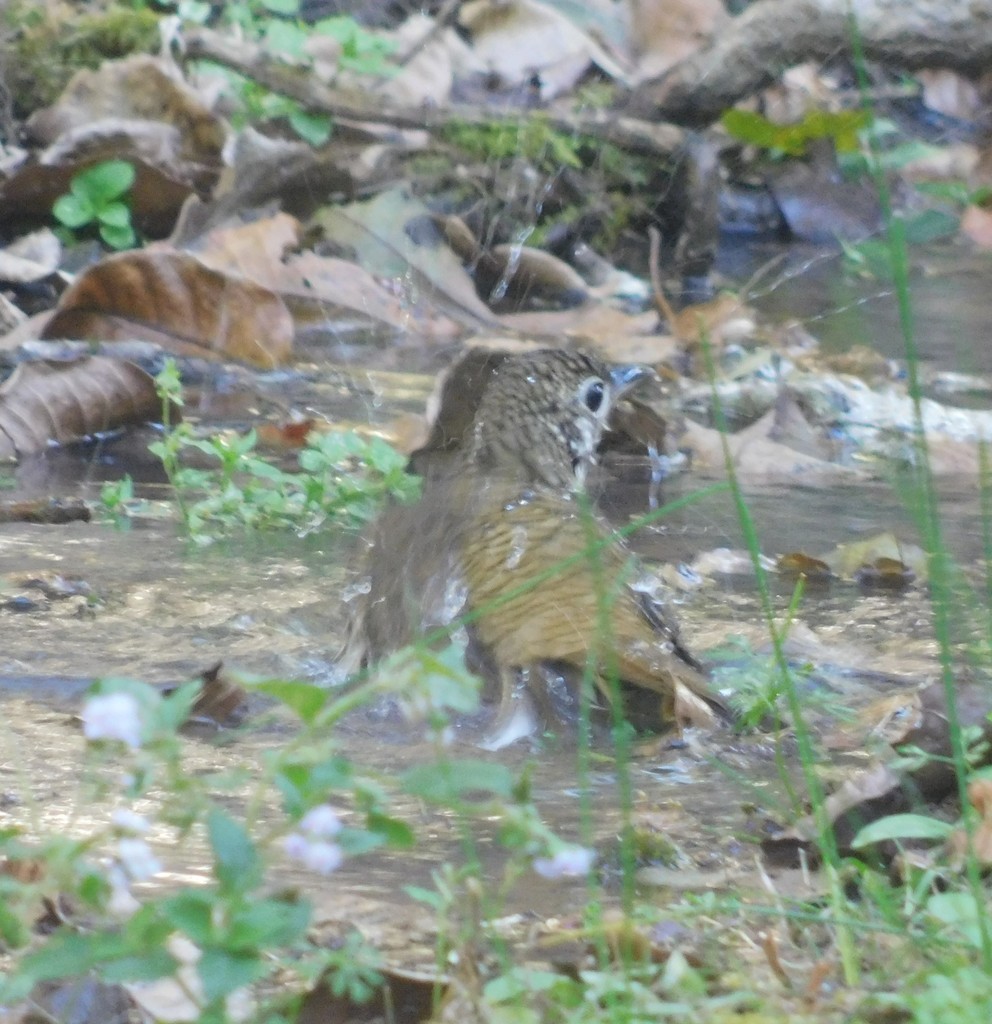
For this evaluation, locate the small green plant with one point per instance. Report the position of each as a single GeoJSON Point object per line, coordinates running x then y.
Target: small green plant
{"type": "Point", "coordinates": [873, 258]}
{"type": "Point", "coordinates": [276, 25]}
{"type": "Point", "coordinates": [532, 139]}
{"type": "Point", "coordinates": [962, 997]}
{"type": "Point", "coordinates": [97, 198]}
{"type": "Point", "coordinates": [343, 477]}
{"type": "Point", "coordinates": [322, 811]}
{"type": "Point", "coordinates": [843, 127]}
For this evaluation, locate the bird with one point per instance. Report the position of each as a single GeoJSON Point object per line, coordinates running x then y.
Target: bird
{"type": "Point", "coordinates": [632, 426]}
{"type": "Point", "coordinates": [504, 543]}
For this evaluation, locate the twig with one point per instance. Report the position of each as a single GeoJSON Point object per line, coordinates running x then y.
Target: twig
{"type": "Point", "coordinates": [298, 82]}
{"type": "Point", "coordinates": [661, 302]}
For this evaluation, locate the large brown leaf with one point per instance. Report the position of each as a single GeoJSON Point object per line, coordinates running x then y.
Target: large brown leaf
{"type": "Point", "coordinates": [175, 301]}
{"type": "Point", "coordinates": [47, 401]}
{"type": "Point", "coordinates": [155, 198]}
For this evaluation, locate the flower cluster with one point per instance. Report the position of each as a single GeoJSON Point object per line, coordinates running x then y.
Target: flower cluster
{"type": "Point", "coordinates": [113, 716]}
{"type": "Point", "coordinates": [312, 844]}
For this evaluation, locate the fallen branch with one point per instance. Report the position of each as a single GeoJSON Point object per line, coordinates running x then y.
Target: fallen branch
{"type": "Point", "coordinates": [299, 83]}
{"type": "Point", "coordinates": [773, 35]}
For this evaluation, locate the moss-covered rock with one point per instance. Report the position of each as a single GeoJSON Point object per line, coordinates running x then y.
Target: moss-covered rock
{"type": "Point", "coordinates": [43, 45]}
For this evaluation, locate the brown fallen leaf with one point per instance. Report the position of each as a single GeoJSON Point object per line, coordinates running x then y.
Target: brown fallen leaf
{"type": "Point", "coordinates": [155, 197]}
{"type": "Point", "coordinates": [254, 250]}
{"type": "Point", "coordinates": [528, 39]}
{"type": "Point", "coordinates": [30, 258]}
{"type": "Point", "coordinates": [864, 797]}
{"type": "Point", "coordinates": [511, 278]}
{"type": "Point", "coordinates": [175, 301]}
{"type": "Point", "coordinates": [139, 88]}
{"type": "Point", "coordinates": [976, 225]}
{"type": "Point", "coordinates": [46, 401]}
{"type": "Point", "coordinates": [757, 458]}
{"type": "Point", "coordinates": [980, 797]}
{"type": "Point", "coordinates": [798, 564]}
{"type": "Point", "coordinates": [665, 33]}
{"type": "Point", "coordinates": [879, 560]}
{"type": "Point", "coordinates": [288, 435]}
{"type": "Point", "coordinates": [884, 574]}
{"type": "Point", "coordinates": [889, 720]}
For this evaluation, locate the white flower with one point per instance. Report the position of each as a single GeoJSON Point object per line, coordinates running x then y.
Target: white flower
{"type": "Point", "coordinates": [137, 859]}
{"type": "Point", "coordinates": [115, 716]}
{"type": "Point", "coordinates": [121, 902]}
{"type": "Point", "coordinates": [295, 845]}
{"type": "Point", "coordinates": [126, 820]}
{"type": "Point", "coordinates": [324, 857]}
{"type": "Point", "coordinates": [568, 862]}
{"type": "Point", "coordinates": [321, 821]}
{"type": "Point", "coordinates": [315, 854]}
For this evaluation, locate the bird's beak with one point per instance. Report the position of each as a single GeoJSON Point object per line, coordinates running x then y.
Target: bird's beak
{"type": "Point", "coordinates": [628, 376]}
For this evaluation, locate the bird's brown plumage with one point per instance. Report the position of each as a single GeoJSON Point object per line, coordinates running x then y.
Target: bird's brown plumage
{"type": "Point", "coordinates": [507, 535]}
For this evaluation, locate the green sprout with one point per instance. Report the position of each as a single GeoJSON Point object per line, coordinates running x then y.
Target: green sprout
{"type": "Point", "coordinates": [98, 197]}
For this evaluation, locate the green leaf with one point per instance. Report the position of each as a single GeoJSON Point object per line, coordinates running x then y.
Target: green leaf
{"type": "Point", "coordinates": [287, 7]}
{"type": "Point", "coordinates": [305, 699]}
{"type": "Point", "coordinates": [285, 37]}
{"type": "Point", "coordinates": [14, 932]}
{"type": "Point", "coordinates": [432, 899]}
{"type": "Point", "coordinates": [929, 225]}
{"type": "Point", "coordinates": [222, 972]}
{"type": "Point", "coordinates": [192, 913]}
{"type": "Point", "coordinates": [793, 138]}
{"type": "Point", "coordinates": [959, 910]}
{"type": "Point", "coordinates": [104, 181]}
{"type": "Point", "coordinates": [357, 841]}
{"type": "Point", "coordinates": [305, 784]}
{"type": "Point", "coordinates": [448, 781]}
{"type": "Point", "coordinates": [175, 709]}
{"type": "Point", "coordinates": [73, 211]}
{"type": "Point", "coordinates": [118, 238]}
{"type": "Point", "coordinates": [520, 981]}
{"type": "Point", "coordinates": [196, 11]}
{"type": "Point", "coordinates": [236, 861]}
{"type": "Point", "coordinates": [148, 966]}
{"type": "Point", "coordinates": [312, 128]}
{"type": "Point", "coordinates": [267, 923]}
{"type": "Point", "coordinates": [902, 826]}
{"type": "Point", "coordinates": [395, 832]}
{"type": "Point", "coordinates": [115, 215]}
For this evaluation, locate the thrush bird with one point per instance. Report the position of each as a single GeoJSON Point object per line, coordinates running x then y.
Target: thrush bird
{"type": "Point", "coordinates": [505, 534]}
{"type": "Point", "coordinates": [631, 427]}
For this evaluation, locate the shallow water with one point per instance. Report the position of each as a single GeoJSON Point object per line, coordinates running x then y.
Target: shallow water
{"type": "Point", "coordinates": [152, 606]}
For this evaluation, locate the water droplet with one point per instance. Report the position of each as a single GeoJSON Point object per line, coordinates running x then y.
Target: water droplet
{"type": "Point", "coordinates": [453, 602]}
{"type": "Point", "coordinates": [518, 547]}
{"type": "Point", "coordinates": [357, 589]}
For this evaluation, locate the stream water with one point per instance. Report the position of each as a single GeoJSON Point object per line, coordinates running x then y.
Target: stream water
{"type": "Point", "coordinates": [149, 605]}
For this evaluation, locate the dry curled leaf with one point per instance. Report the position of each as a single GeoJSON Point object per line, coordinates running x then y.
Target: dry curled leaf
{"type": "Point", "coordinates": [175, 301]}
{"type": "Point", "coordinates": [887, 573]}
{"type": "Point", "coordinates": [798, 564]}
{"type": "Point", "coordinates": [47, 401]}
{"type": "Point", "coordinates": [980, 797]}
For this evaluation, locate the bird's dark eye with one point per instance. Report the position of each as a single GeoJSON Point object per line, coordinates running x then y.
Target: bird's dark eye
{"type": "Point", "coordinates": [593, 394]}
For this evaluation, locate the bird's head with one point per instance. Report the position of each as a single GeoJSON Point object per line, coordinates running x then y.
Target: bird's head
{"type": "Point", "coordinates": [543, 413]}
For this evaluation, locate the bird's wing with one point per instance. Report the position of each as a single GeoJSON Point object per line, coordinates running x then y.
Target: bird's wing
{"type": "Point", "coordinates": [548, 581]}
